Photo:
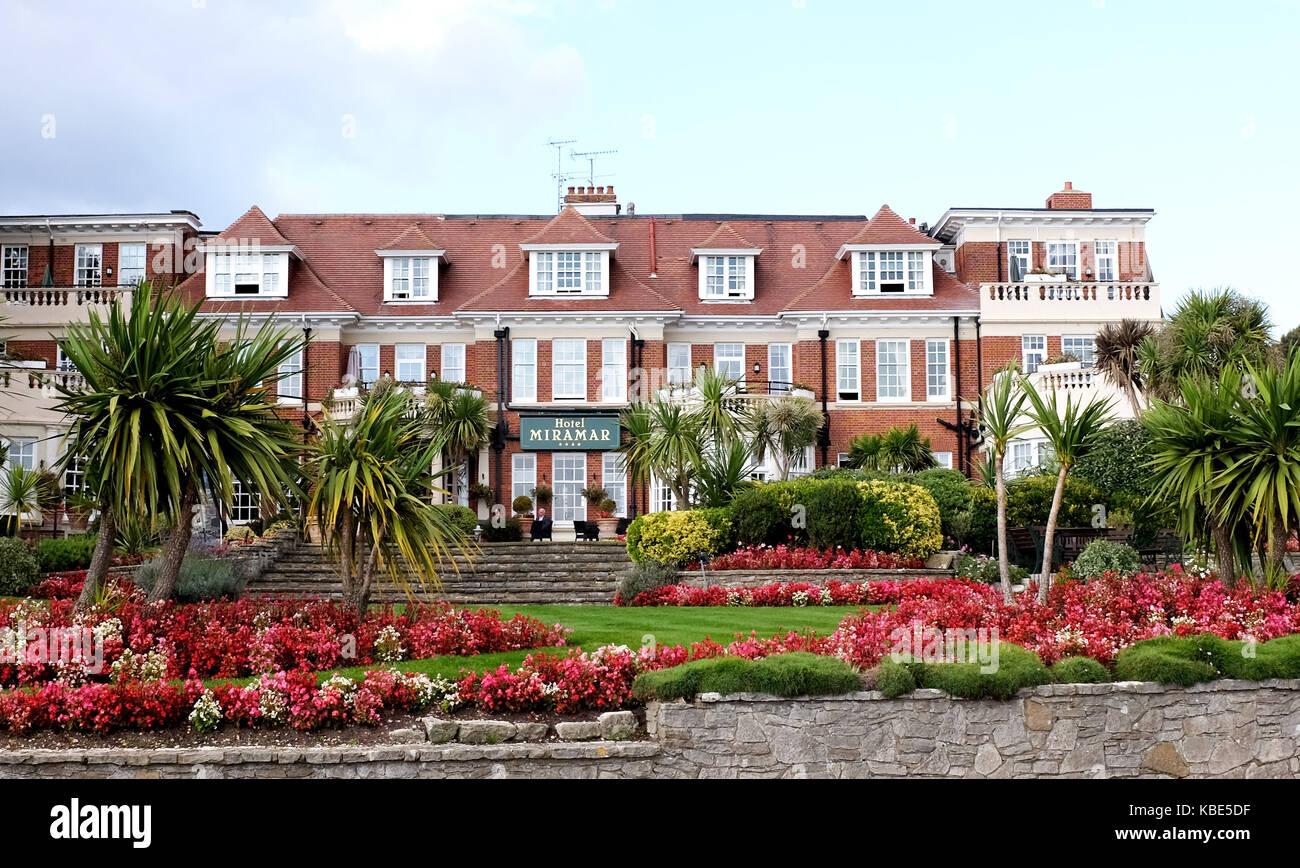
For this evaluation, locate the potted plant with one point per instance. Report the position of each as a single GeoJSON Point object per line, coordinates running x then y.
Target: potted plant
{"type": "Point", "coordinates": [523, 507]}
{"type": "Point", "coordinates": [542, 495]}
{"type": "Point", "coordinates": [483, 493]}
{"type": "Point", "coordinates": [596, 495]}
{"type": "Point", "coordinates": [77, 508]}
{"type": "Point", "coordinates": [606, 520]}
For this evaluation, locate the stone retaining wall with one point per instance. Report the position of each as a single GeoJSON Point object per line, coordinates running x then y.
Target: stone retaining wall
{"type": "Point", "coordinates": [1228, 729]}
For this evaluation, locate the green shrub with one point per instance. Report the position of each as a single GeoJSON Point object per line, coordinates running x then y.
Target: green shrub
{"type": "Point", "coordinates": [201, 578]}
{"type": "Point", "coordinates": [239, 533]}
{"type": "Point", "coordinates": [677, 537]}
{"type": "Point", "coordinates": [982, 568]}
{"type": "Point", "coordinates": [899, 517]}
{"type": "Point", "coordinates": [1119, 460]}
{"type": "Point", "coordinates": [983, 528]}
{"type": "Point", "coordinates": [633, 538]}
{"type": "Point", "coordinates": [1029, 501]}
{"type": "Point", "coordinates": [510, 531]}
{"type": "Point", "coordinates": [761, 519]}
{"type": "Point", "coordinates": [852, 473]}
{"type": "Point", "coordinates": [794, 674]}
{"type": "Point", "coordinates": [645, 575]}
{"type": "Point", "coordinates": [951, 491]}
{"type": "Point", "coordinates": [18, 567]}
{"type": "Point", "coordinates": [1079, 670]}
{"type": "Point", "coordinates": [1103, 556]}
{"type": "Point", "coordinates": [1190, 660]}
{"type": "Point", "coordinates": [522, 505]}
{"type": "Point", "coordinates": [1017, 668]}
{"type": "Point", "coordinates": [833, 510]}
{"type": "Point", "coordinates": [465, 518]}
{"type": "Point", "coordinates": [66, 553]}
{"type": "Point", "coordinates": [720, 519]}
{"type": "Point", "coordinates": [894, 679]}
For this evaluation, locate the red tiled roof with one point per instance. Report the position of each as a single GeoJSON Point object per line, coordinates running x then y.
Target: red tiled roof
{"type": "Point", "coordinates": [724, 238]}
{"type": "Point", "coordinates": [888, 228]}
{"type": "Point", "coordinates": [412, 239]}
{"type": "Point", "coordinates": [252, 226]}
{"type": "Point", "coordinates": [798, 272]}
{"type": "Point", "coordinates": [569, 227]}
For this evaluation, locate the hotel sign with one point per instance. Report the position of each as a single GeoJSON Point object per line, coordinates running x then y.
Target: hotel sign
{"type": "Point", "coordinates": [569, 432]}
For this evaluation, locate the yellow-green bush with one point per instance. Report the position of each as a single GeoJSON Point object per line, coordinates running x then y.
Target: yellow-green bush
{"type": "Point", "coordinates": [900, 517]}
{"type": "Point", "coordinates": [677, 537]}
{"type": "Point", "coordinates": [239, 533]}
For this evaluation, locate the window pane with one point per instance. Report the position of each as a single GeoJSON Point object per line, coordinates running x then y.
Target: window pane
{"type": "Point", "coordinates": [729, 360]}
{"type": "Point", "coordinates": [936, 368]}
{"type": "Point", "coordinates": [410, 363]}
{"type": "Point", "coordinates": [369, 356]}
{"type": "Point", "coordinates": [778, 368]}
{"type": "Point", "coordinates": [613, 369]}
{"type": "Point", "coordinates": [524, 373]}
{"type": "Point", "coordinates": [453, 363]}
{"type": "Point", "coordinates": [679, 363]}
{"type": "Point", "coordinates": [523, 475]}
{"type": "Point", "coordinates": [569, 369]}
{"type": "Point", "coordinates": [614, 480]}
{"type": "Point", "coordinates": [1033, 351]}
{"type": "Point", "coordinates": [892, 369]}
{"type": "Point", "coordinates": [846, 369]}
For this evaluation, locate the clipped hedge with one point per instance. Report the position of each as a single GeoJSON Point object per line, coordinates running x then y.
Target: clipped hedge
{"type": "Point", "coordinates": [677, 537]}
{"type": "Point", "coordinates": [793, 674]}
{"type": "Point", "coordinates": [951, 491]}
{"type": "Point", "coordinates": [1187, 660]}
{"type": "Point", "coordinates": [1029, 501]}
{"type": "Point", "coordinates": [65, 554]}
{"type": "Point", "coordinates": [899, 517]}
{"type": "Point", "coordinates": [1017, 668]}
{"type": "Point", "coordinates": [763, 515]}
{"type": "Point", "coordinates": [465, 518]}
{"type": "Point", "coordinates": [833, 510]}
{"type": "Point", "coordinates": [1079, 670]}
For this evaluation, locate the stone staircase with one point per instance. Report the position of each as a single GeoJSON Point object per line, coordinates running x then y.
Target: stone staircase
{"type": "Point", "coordinates": [546, 573]}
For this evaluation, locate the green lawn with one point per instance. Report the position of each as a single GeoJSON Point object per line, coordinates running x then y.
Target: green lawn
{"type": "Point", "coordinates": [594, 626]}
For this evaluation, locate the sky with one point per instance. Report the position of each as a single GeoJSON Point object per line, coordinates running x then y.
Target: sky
{"type": "Point", "coordinates": [768, 106]}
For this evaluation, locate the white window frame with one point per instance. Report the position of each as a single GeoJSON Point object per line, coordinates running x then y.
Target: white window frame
{"type": "Point", "coordinates": [88, 269]}
{"type": "Point", "coordinates": [567, 501]}
{"type": "Point", "coordinates": [1087, 354]}
{"type": "Point", "coordinates": [1065, 260]}
{"type": "Point", "coordinates": [573, 366]}
{"type": "Point", "coordinates": [130, 275]}
{"type": "Point", "coordinates": [411, 279]}
{"type": "Point", "coordinates": [613, 369]}
{"type": "Point", "coordinates": [662, 498]}
{"type": "Point", "coordinates": [452, 365]}
{"type": "Point", "coordinates": [289, 386]}
{"type": "Point", "coordinates": [842, 459]}
{"type": "Point", "coordinates": [902, 392]}
{"type": "Point", "coordinates": [910, 268]}
{"type": "Point", "coordinates": [1030, 346]}
{"type": "Point", "coordinates": [74, 476]}
{"type": "Point", "coordinates": [523, 475]}
{"type": "Point", "coordinates": [938, 371]}
{"type": "Point", "coordinates": [523, 373]}
{"type": "Point", "coordinates": [568, 271]}
{"type": "Point", "coordinates": [1110, 256]}
{"type": "Point", "coordinates": [1025, 255]}
{"type": "Point", "coordinates": [726, 277]}
{"type": "Point", "coordinates": [728, 355]}
{"type": "Point", "coordinates": [245, 506]}
{"type": "Point", "coordinates": [363, 368]}
{"type": "Point", "coordinates": [61, 360]}
{"type": "Point", "coordinates": [613, 478]}
{"type": "Point", "coordinates": [776, 365]}
{"type": "Point", "coordinates": [409, 350]}
{"type": "Point", "coordinates": [848, 369]}
{"type": "Point", "coordinates": [22, 453]}
{"type": "Point", "coordinates": [15, 260]}
{"type": "Point", "coordinates": [267, 271]}
{"type": "Point", "coordinates": [679, 368]}
{"type": "Point", "coordinates": [943, 459]}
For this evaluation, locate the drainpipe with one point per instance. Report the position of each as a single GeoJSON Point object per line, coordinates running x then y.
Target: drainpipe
{"type": "Point", "coordinates": [979, 364]}
{"type": "Point", "coordinates": [824, 436]}
{"type": "Point", "coordinates": [638, 361]}
{"type": "Point", "coordinates": [961, 430]}
{"type": "Point", "coordinates": [499, 433]}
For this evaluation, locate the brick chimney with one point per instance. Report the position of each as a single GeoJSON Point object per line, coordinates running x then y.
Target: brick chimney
{"type": "Point", "coordinates": [593, 201]}
{"type": "Point", "coordinates": [1070, 199]}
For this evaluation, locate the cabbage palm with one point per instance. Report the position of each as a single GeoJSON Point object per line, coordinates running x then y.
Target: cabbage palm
{"type": "Point", "coordinates": [666, 443]}
{"type": "Point", "coordinates": [784, 428]}
{"type": "Point", "coordinates": [1000, 421]}
{"type": "Point", "coordinates": [1118, 356]}
{"type": "Point", "coordinates": [718, 404]}
{"type": "Point", "coordinates": [722, 474]}
{"type": "Point", "coordinates": [370, 493]}
{"type": "Point", "coordinates": [1071, 431]}
{"type": "Point", "coordinates": [1189, 444]}
{"type": "Point", "coordinates": [904, 450]}
{"type": "Point", "coordinates": [1207, 332]}
{"type": "Point", "coordinates": [865, 451]}
{"type": "Point", "coordinates": [459, 418]}
{"type": "Point", "coordinates": [20, 493]}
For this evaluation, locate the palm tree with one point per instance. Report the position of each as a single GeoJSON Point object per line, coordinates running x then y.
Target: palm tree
{"type": "Point", "coordinates": [666, 443]}
{"type": "Point", "coordinates": [1206, 333]}
{"type": "Point", "coordinates": [21, 493]}
{"type": "Point", "coordinates": [1189, 455]}
{"type": "Point", "coordinates": [865, 451]}
{"type": "Point", "coordinates": [370, 494]}
{"type": "Point", "coordinates": [1118, 356]}
{"type": "Point", "coordinates": [1000, 421]}
{"type": "Point", "coordinates": [717, 403]}
{"type": "Point", "coordinates": [1262, 471]}
{"type": "Point", "coordinates": [904, 450]}
{"type": "Point", "coordinates": [721, 475]}
{"type": "Point", "coordinates": [1071, 431]}
{"type": "Point", "coordinates": [167, 408]}
{"type": "Point", "coordinates": [784, 428]}
{"type": "Point", "coordinates": [459, 418]}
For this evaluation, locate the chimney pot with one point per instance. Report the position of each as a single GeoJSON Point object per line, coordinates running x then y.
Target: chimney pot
{"type": "Point", "coordinates": [911, 220]}
{"type": "Point", "coordinates": [570, 191]}
{"type": "Point", "coordinates": [1069, 186]}
{"type": "Point", "coordinates": [600, 190]}
{"type": "Point", "coordinates": [610, 189]}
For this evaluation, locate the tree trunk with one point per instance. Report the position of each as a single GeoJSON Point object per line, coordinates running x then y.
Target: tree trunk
{"type": "Point", "coordinates": [348, 557]}
{"type": "Point", "coordinates": [1276, 551]}
{"type": "Point", "coordinates": [1131, 391]}
{"type": "Point", "coordinates": [1224, 552]}
{"type": "Point", "coordinates": [173, 554]}
{"type": "Point", "coordinates": [100, 560]}
{"type": "Point", "coordinates": [1004, 568]}
{"type": "Point", "coordinates": [1045, 582]}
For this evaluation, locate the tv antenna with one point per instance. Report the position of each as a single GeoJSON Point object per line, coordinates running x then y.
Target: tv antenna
{"type": "Point", "coordinates": [590, 157]}
{"type": "Point", "coordinates": [560, 175]}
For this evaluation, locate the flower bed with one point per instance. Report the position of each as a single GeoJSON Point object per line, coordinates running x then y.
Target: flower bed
{"type": "Point", "coordinates": [784, 557]}
{"type": "Point", "coordinates": [242, 638]}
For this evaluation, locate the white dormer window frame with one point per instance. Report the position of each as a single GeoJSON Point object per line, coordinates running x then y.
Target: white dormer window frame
{"type": "Point", "coordinates": [568, 270]}
{"type": "Point", "coordinates": [411, 276]}
{"type": "Point", "coordinates": [247, 271]}
{"type": "Point", "coordinates": [889, 270]}
{"type": "Point", "coordinates": [726, 274]}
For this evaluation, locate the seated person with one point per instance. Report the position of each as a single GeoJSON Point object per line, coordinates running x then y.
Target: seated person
{"type": "Point", "coordinates": [541, 526]}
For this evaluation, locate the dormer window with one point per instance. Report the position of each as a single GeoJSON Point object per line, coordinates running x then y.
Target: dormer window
{"type": "Point", "coordinates": [568, 272]}
{"type": "Point", "coordinates": [250, 273]}
{"type": "Point", "coordinates": [893, 271]}
{"type": "Point", "coordinates": [409, 278]}
{"type": "Point", "coordinates": [726, 277]}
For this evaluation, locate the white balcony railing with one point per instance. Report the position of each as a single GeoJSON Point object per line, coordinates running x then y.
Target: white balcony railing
{"type": "Point", "coordinates": [1061, 292]}
{"type": "Point", "coordinates": [55, 305]}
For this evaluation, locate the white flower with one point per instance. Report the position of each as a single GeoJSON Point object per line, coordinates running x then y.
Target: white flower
{"type": "Point", "coordinates": [206, 714]}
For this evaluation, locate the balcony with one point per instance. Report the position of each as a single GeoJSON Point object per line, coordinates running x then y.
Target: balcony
{"type": "Point", "coordinates": [29, 393]}
{"type": "Point", "coordinates": [54, 305]}
{"type": "Point", "coordinates": [344, 403]}
{"type": "Point", "coordinates": [1070, 300]}
{"type": "Point", "coordinates": [1082, 384]}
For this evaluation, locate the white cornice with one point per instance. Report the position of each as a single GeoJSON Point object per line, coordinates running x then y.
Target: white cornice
{"type": "Point", "coordinates": [414, 254]}
{"type": "Point", "coordinates": [957, 218]}
{"type": "Point", "coordinates": [846, 249]}
{"type": "Point", "coordinates": [697, 252]}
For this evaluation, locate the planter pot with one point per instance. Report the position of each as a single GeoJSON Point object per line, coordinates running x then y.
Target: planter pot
{"type": "Point", "coordinates": [77, 521]}
{"type": "Point", "coordinates": [608, 527]}
{"type": "Point", "coordinates": [313, 533]}
{"type": "Point", "coordinates": [525, 524]}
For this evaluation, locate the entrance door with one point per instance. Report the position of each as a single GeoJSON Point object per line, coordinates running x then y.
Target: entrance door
{"type": "Point", "coordinates": [570, 470]}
